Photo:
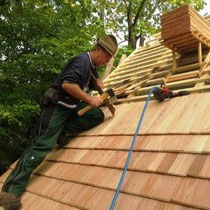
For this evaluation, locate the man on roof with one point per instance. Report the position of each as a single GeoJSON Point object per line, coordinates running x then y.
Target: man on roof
{"type": "Point", "coordinates": [60, 106]}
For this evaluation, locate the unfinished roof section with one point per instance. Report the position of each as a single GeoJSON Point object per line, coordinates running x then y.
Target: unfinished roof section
{"type": "Point", "coordinates": [161, 62]}
{"type": "Point", "coordinates": [169, 168]}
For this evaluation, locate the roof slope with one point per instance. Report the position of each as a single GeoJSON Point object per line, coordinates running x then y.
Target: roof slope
{"type": "Point", "coordinates": [169, 168]}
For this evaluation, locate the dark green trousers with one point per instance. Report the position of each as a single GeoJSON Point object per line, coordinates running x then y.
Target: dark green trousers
{"type": "Point", "coordinates": [54, 120]}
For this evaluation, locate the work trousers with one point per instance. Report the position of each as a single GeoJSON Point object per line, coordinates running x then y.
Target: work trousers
{"type": "Point", "coordinates": [54, 120]}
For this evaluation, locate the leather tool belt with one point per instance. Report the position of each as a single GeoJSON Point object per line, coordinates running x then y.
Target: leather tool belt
{"type": "Point", "coordinates": [53, 97]}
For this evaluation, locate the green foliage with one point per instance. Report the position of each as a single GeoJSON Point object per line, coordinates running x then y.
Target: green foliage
{"type": "Point", "coordinates": [121, 16]}
{"type": "Point", "coordinates": [36, 41]}
{"type": "Point", "coordinates": [16, 129]}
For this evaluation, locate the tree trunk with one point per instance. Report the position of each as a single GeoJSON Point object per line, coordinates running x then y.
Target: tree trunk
{"type": "Point", "coordinates": [142, 39]}
{"type": "Point", "coordinates": [132, 41]}
{"type": "Point", "coordinates": [102, 13]}
{"type": "Point", "coordinates": [131, 35]}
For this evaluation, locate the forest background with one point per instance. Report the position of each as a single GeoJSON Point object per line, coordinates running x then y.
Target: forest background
{"type": "Point", "coordinates": [38, 37]}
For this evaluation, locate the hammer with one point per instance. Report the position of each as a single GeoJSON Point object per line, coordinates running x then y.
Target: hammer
{"type": "Point", "coordinates": [107, 95]}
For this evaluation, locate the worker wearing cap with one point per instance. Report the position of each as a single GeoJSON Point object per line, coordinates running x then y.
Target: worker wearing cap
{"type": "Point", "coordinates": [60, 106]}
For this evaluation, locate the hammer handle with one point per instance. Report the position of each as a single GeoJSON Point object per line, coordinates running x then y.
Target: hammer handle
{"type": "Point", "coordinates": [87, 108]}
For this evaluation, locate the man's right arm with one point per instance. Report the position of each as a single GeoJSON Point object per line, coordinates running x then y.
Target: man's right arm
{"type": "Point", "coordinates": [75, 91]}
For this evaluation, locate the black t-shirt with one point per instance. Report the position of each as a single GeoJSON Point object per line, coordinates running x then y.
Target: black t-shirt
{"type": "Point", "coordinates": [78, 71]}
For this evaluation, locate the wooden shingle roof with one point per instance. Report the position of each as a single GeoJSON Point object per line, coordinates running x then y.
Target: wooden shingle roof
{"type": "Point", "coordinates": [169, 168]}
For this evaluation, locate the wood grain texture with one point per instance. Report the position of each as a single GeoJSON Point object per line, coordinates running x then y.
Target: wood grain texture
{"type": "Point", "coordinates": [160, 118]}
{"type": "Point", "coordinates": [182, 21]}
{"type": "Point", "coordinates": [166, 163]}
{"type": "Point", "coordinates": [181, 164]}
{"type": "Point", "coordinates": [32, 201]}
{"type": "Point", "coordinates": [205, 170]}
{"type": "Point", "coordinates": [84, 142]}
{"type": "Point", "coordinates": [193, 192]}
{"type": "Point", "coordinates": [197, 165]}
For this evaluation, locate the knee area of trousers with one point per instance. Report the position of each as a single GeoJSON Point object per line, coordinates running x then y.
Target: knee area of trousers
{"type": "Point", "coordinates": [100, 115]}
{"type": "Point", "coordinates": [35, 160]}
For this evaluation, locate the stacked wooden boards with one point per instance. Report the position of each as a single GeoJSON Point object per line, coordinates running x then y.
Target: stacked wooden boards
{"type": "Point", "coordinates": [169, 168]}
{"type": "Point", "coordinates": [183, 28]}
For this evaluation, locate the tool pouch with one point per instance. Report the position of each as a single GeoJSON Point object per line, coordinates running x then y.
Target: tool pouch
{"type": "Point", "coordinates": [53, 97]}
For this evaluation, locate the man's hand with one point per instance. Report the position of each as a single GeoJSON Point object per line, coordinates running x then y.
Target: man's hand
{"type": "Point", "coordinates": [95, 101]}
{"type": "Point", "coordinates": [100, 83]}
{"type": "Point", "coordinates": [77, 92]}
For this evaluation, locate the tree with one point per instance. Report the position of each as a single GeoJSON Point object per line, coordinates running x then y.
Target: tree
{"type": "Point", "coordinates": [136, 19]}
{"type": "Point", "coordinates": [36, 41]}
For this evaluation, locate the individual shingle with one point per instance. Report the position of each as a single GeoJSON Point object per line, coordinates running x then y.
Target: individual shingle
{"type": "Point", "coordinates": [115, 142]}
{"type": "Point", "coordinates": [197, 143]}
{"type": "Point", "coordinates": [142, 160]}
{"type": "Point", "coordinates": [165, 143]}
{"type": "Point", "coordinates": [48, 168]}
{"type": "Point", "coordinates": [156, 162]}
{"type": "Point", "coordinates": [193, 192]}
{"type": "Point", "coordinates": [197, 165]}
{"type": "Point", "coordinates": [166, 163]}
{"type": "Point", "coordinates": [84, 142]}
{"type": "Point", "coordinates": [181, 164]}
{"type": "Point", "coordinates": [206, 148]}
{"type": "Point", "coordinates": [5, 175]}
{"type": "Point", "coordinates": [43, 186]}
{"type": "Point", "coordinates": [32, 201]}
{"type": "Point", "coordinates": [97, 157]}
{"type": "Point", "coordinates": [205, 171]}
{"type": "Point", "coordinates": [67, 155]}
{"type": "Point", "coordinates": [163, 187]}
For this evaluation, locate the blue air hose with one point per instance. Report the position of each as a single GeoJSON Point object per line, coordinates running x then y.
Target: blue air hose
{"type": "Point", "coordinates": [131, 149]}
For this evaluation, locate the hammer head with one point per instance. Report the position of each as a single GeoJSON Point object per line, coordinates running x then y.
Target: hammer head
{"type": "Point", "coordinates": [112, 97]}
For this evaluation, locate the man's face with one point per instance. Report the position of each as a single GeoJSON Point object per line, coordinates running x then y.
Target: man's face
{"type": "Point", "coordinates": [103, 57]}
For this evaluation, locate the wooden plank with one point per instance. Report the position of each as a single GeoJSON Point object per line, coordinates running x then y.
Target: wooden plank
{"type": "Point", "coordinates": [197, 144]}
{"type": "Point", "coordinates": [67, 155]}
{"type": "Point", "coordinates": [206, 148]}
{"type": "Point", "coordinates": [198, 35]}
{"type": "Point", "coordinates": [33, 201]}
{"type": "Point", "coordinates": [136, 181]}
{"type": "Point", "coordinates": [108, 68]}
{"type": "Point", "coordinates": [205, 63]}
{"type": "Point", "coordinates": [142, 160]}
{"type": "Point", "coordinates": [85, 142]}
{"type": "Point", "coordinates": [166, 163]}
{"type": "Point", "coordinates": [180, 39]}
{"type": "Point", "coordinates": [154, 187]}
{"type": "Point", "coordinates": [156, 162]}
{"type": "Point", "coordinates": [197, 165]}
{"type": "Point", "coordinates": [122, 59]}
{"type": "Point", "coordinates": [174, 60]}
{"type": "Point", "coordinates": [193, 192]}
{"type": "Point", "coordinates": [183, 76]}
{"type": "Point", "coordinates": [47, 168]}
{"type": "Point", "coordinates": [187, 67]}
{"type": "Point", "coordinates": [175, 13]}
{"type": "Point", "coordinates": [205, 171]}
{"type": "Point", "coordinates": [181, 164]}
